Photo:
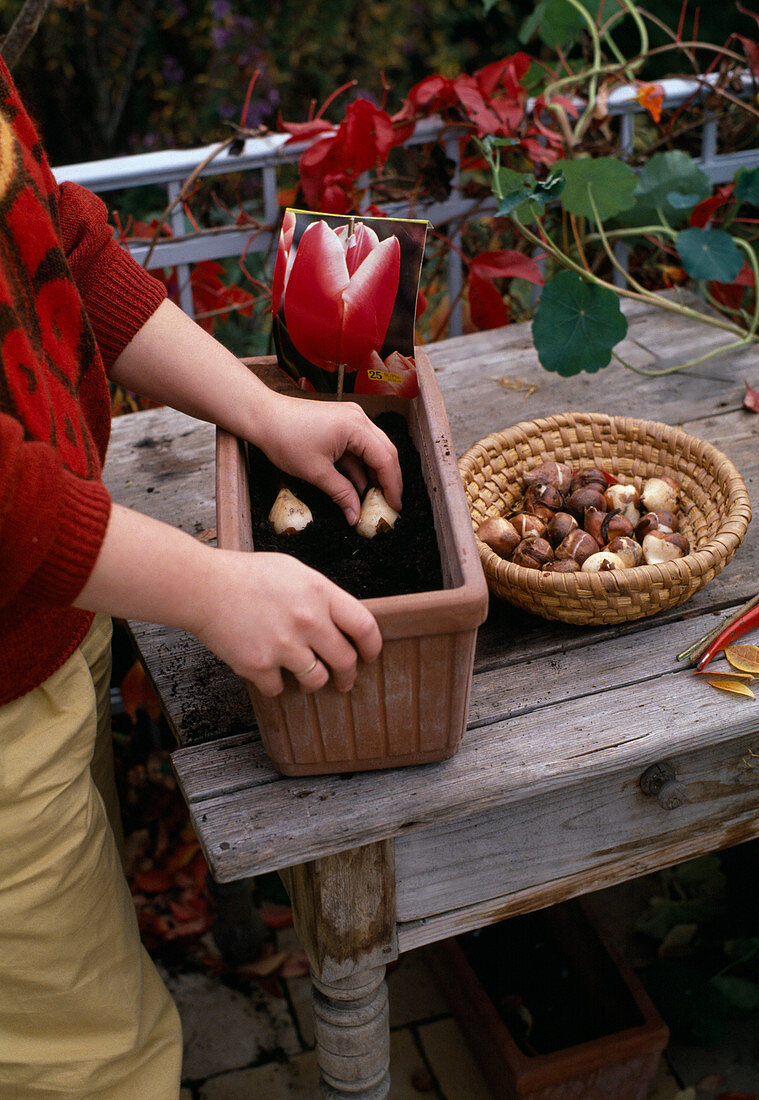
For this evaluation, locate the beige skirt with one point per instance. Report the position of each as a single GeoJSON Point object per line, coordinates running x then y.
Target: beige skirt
{"type": "Point", "coordinates": [83, 1011]}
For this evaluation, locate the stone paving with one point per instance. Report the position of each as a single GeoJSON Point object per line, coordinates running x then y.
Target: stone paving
{"type": "Point", "coordinates": [258, 1046]}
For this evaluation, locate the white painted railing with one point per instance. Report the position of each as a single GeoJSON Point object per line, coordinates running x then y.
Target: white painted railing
{"type": "Point", "coordinates": [268, 155]}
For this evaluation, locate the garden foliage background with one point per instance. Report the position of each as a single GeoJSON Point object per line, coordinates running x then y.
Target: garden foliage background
{"type": "Point", "coordinates": [134, 75]}
{"type": "Point", "coordinates": [154, 74]}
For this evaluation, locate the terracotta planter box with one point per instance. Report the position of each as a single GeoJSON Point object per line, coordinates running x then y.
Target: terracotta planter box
{"type": "Point", "coordinates": [617, 1044]}
{"type": "Point", "coordinates": [410, 706]}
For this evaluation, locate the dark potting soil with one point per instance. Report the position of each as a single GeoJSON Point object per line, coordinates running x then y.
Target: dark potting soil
{"type": "Point", "coordinates": [394, 563]}
{"type": "Point", "coordinates": [550, 980]}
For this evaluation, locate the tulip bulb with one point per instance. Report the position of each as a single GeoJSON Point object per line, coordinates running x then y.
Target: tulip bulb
{"type": "Point", "coordinates": [660, 494]}
{"type": "Point", "coordinates": [578, 545]}
{"type": "Point", "coordinates": [533, 553]}
{"type": "Point", "coordinates": [289, 515]}
{"type": "Point", "coordinates": [500, 535]}
{"type": "Point", "coordinates": [566, 565]}
{"type": "Point", "coordinates": [376, 514]}
{"type": "Point", "coordinates": [542, 500]}
{"type": "Point", "coordinates": [624, 499]}
{"type": "Point", "coordinates": [627, 549]}
{"type": "Point", "coordinates": [559, 526]}
{"type": "Point", "coordinates": [603, 562]}
{"type": "Point", "coordinates": [558, 474]}
{"type": "Point", "coordinates": [527, 525]}
{"type": "Point", "coordinates": [586, 497]}
{"type": "Point", "coordinates": [660, 547]}
{"type": "Point", "coordinates": [589, 477]}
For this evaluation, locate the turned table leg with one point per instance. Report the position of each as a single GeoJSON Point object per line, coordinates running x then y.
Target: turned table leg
{"type": "Point", "coordinates": [344, 914]}
{"type": "Point", "coordinates": [353, 1035]}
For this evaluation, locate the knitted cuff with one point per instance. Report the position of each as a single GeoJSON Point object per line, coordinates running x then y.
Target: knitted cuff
{"type": "Point", "coordinates": [85, 507]}
{"type": "Point", "coordinates": [121, 301]}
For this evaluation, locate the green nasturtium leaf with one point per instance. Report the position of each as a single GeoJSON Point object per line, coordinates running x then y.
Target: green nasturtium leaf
{"type": "Point", "coordinates": [576, 325]}
{"type": "Point", "coordinates": [663, 175]}
{"type": "Point", "coordinates": [709, 254]}
{"type": "Point", "coordinates": [747, 186]}
{"type": "Point", "coordinates": [610, 181]}
{"type": "Point", "coordinates": [683, 200]}
{"type": "Point", "coordinates": [518, 188]}
{"type": "Point", "coordinates": [559, 23]}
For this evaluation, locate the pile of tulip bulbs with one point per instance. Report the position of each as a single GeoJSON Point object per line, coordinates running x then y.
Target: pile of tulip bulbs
{"type": "Point", "coordinates": [582, 520]}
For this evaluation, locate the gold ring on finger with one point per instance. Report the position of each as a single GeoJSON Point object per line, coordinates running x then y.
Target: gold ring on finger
{"type": "Point", "coordinates": [306, 671]}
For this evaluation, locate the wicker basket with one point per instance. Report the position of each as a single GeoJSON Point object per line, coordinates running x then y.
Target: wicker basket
{"type": "Point", "coordinates": [715, 512]}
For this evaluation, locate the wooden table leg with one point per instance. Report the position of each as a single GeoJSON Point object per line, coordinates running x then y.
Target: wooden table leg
{"type": "Point", "coordinates": [344, 914]}
{"type": "Point", "coordinates": [353, 1035]}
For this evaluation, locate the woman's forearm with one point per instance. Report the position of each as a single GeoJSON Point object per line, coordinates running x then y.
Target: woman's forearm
{"type": "Point", "coordinates": [175, 362]}
{"type": "Point", "coordinates": [147, 570]}
{"type": "Point", "coordinates": [261, 613]}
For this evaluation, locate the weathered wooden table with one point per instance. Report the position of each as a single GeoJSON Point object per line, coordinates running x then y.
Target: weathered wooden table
{"type": "Point", "coordinates": [542, 801]}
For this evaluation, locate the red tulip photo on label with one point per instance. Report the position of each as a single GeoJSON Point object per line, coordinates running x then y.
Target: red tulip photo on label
{"type": "Point", "coordinates": [344, 297]}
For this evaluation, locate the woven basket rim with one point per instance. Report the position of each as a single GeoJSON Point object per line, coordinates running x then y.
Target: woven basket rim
{"type": "Point", "coordinates": [718, 549]}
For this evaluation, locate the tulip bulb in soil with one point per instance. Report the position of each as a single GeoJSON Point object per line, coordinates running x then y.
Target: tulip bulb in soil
{"type": "Point", "coordinates": [289, 515]}
{"type": "Point", "coordinates": [376, 514]}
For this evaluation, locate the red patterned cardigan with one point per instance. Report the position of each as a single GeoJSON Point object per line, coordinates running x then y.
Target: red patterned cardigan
{"type": "Point", "coordinates": [70, 300]}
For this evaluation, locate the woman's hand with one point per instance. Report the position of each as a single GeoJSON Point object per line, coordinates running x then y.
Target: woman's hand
{"type": "Point", "coordinates": [262, 613]}
{"type": "Point", "coordinates": [332, 444]}
{"type": "Point", "coordinates": [259, 612]}
{"type": "Point", "coordinates": [335, 446]}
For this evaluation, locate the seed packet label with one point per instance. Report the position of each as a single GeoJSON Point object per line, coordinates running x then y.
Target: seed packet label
{"type": "Point", "coordinates": [344, 300]}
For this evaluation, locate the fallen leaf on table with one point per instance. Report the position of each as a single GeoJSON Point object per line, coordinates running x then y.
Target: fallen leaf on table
{"type": "Point", "coordinates": [751, 400]}
{"type": "Point", "coordinates": [744, 657]}
{"type": "Point", "coordinates": [724, 673]}
{"type": "Point", "coordinates": [678, 938]}
{"type": "Point", "coordinates": [137, 693]}
{"type": "Point", "coordinates": [527, 388]}
{"type": "Point", "coordinates": [154, 881]}
{"type": "Point", "coordinates": [734, 686]}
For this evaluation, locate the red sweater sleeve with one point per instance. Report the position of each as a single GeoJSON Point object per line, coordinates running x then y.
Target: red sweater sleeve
{"type": "Point", "coordinates": [118, 294]}
{"type": "Point", "coordinates": [52, 523]}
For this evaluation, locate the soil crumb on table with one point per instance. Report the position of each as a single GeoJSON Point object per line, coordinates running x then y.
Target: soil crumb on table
{"type": "Point", "coordinates": [394, 563]}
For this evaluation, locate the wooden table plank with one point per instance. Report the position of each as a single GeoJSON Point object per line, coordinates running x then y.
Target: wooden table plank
{"type": "Point", "coordinates": [521, 752]}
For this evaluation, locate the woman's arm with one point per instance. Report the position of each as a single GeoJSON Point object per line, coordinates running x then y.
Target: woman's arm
{"type": "Point", "coordinates": [260, 613]}
{"type": "Point", "coordinates": [175, 362]}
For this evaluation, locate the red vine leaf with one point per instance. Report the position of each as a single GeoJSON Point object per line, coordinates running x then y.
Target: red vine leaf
{"type": "Point", "coordinates": [507, 263]}
{"type": "Point", "coordinates": [487, 308]}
